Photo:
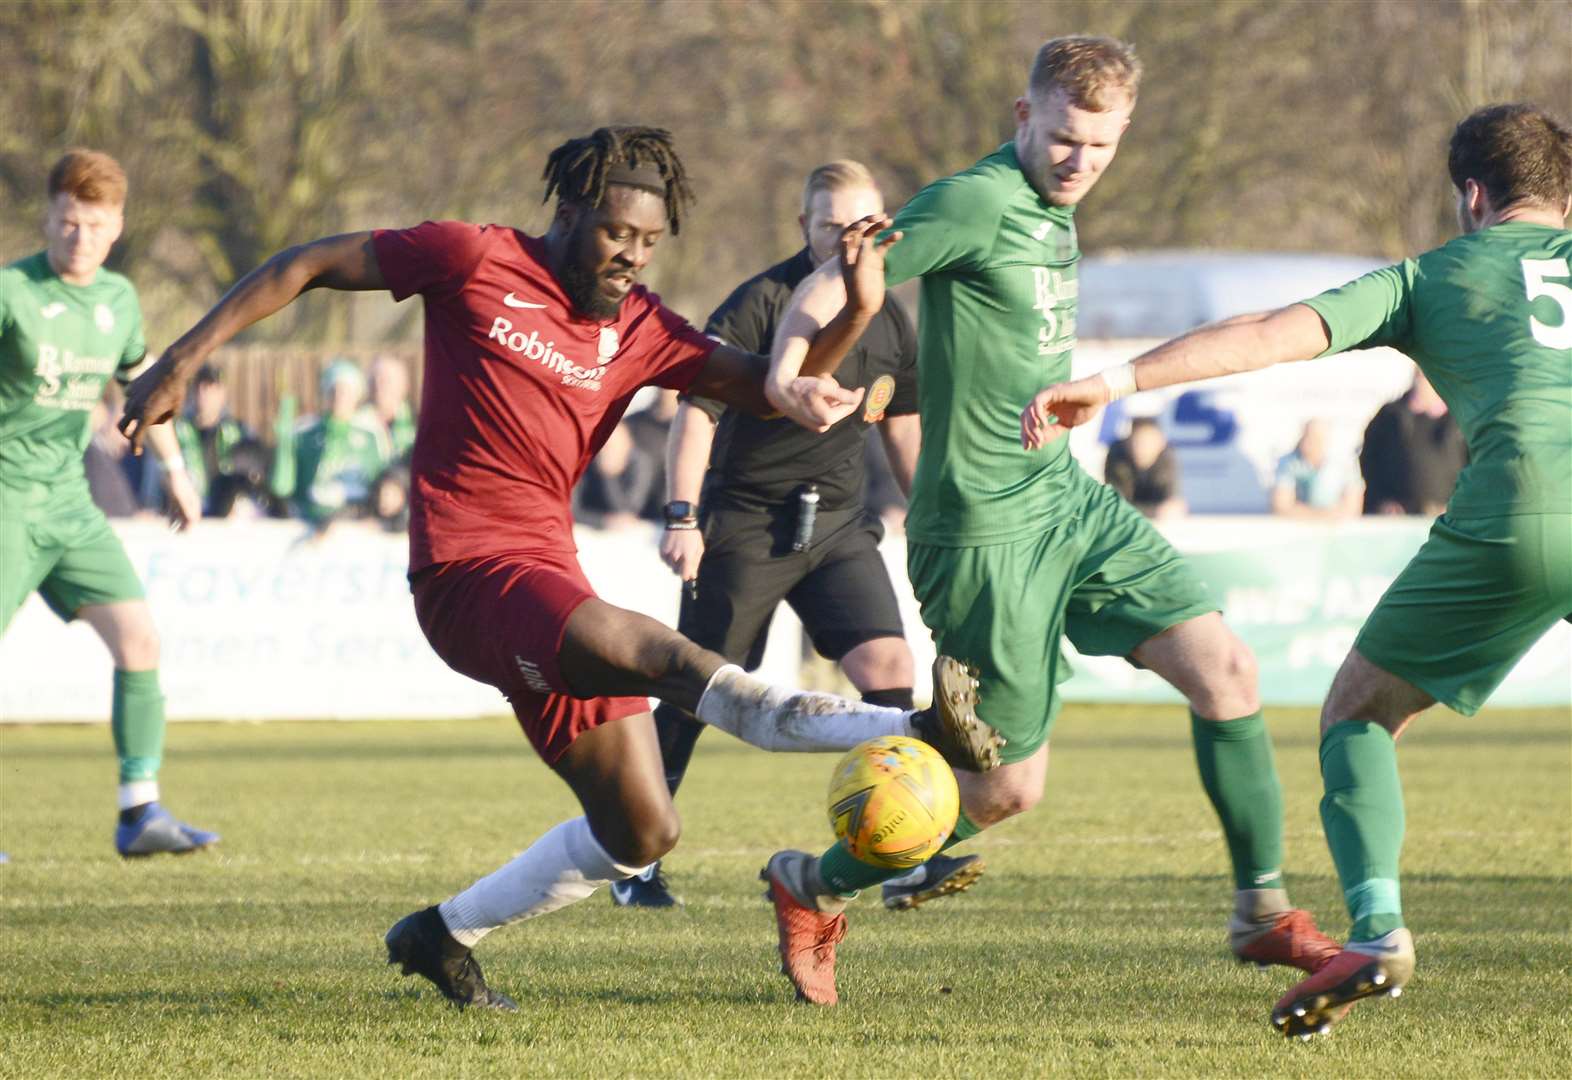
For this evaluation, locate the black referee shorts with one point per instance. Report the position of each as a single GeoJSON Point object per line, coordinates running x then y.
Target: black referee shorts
{"type": "Point", "coordinates": [839, 588]}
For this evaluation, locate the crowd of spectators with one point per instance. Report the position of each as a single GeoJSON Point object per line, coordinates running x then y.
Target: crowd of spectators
{"type": "Point", "coordinates": [347, 462]}
{"type": "Point", "coordinates": [350, 461]}
{"type": "Point", "coordinates": [1408, 463]}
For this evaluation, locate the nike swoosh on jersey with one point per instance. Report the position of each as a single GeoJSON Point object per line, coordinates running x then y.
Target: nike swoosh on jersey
{"type": "Point", "coordinates": [49, 311]}
{"type": "Point", "coordinates": [513, 301]}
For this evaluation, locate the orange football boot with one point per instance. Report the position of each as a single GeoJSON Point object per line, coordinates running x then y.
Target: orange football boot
{"type": "Point", "coordinates": [808, 933]}
{"type": "Point", "coordinates": [1363, 969]}
{"type": "Point", "coordinates": [1291, 939]}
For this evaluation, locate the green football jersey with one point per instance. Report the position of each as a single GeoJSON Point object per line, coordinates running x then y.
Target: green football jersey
{"type": "Point", "coordinates": [336, 463]}
{"type": "Point", "coordinates": [1488, 319]}
{"type": "Point", "coordinates": [998, 273]}
{"type": "Point", "coordinates": [59, 344]}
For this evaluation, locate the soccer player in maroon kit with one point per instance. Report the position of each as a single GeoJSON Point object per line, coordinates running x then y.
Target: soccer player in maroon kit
{"type": "Point", "coordinates": [534, 347]}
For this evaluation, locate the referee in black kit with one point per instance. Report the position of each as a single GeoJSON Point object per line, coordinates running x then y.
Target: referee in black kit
{"type": "Point", "coordinates": [781, 515]}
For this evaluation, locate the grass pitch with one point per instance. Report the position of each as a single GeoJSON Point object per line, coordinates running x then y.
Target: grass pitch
{"type": "Point", "coordinates": [1094, 946]}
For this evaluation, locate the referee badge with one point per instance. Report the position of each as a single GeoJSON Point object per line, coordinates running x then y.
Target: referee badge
{"type": "Point", "coordinates": [879, 395]}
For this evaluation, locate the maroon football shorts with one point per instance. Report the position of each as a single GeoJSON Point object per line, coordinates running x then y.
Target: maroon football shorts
{"type": "Point", "coordinates": [500, 620]}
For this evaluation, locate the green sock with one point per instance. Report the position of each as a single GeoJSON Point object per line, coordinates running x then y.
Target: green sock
{"type": "Point", "coordinates": [137, 722]}
{"type": "Point", "coordinates": [846, 875]}
{"type": "Point", "coordinates": [965, 829]}
{"type": "Point", "coordinates": [1240, 777]}
{"type": "Point", "coordinates": [1362, 815]}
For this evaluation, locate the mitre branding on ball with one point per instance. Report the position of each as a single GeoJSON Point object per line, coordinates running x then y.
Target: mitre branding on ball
{"type": "Point", "coordinates": [893, 801]}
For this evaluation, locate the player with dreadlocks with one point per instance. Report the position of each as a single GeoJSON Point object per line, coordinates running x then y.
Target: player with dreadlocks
{"type": "Point", "coordinates": [534, 346]}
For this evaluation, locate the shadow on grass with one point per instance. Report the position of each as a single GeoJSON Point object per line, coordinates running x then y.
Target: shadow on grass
{"type": "Point", "coordinates": [200, 1002]}
{"type": "Point", "coordinates": [392, 748]}
{"type": "Point", "coordinates": [1127, 884]}
{"type": "Point", "coordinates": [282, 1001]}
{"type": "Point", "coordinates": [635, 996]}
{"type": "Point", "coordinates": [1557, 882]}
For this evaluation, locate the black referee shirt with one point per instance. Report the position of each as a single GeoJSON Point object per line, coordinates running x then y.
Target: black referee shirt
{"type": "Point", "coordinates": [757, 464]}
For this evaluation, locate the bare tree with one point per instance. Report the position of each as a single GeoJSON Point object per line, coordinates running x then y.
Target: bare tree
{"type": "Point", "coordinates": [250, 125]}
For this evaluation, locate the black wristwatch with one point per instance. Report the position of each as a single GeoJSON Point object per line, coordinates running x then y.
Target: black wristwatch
{"type": "Point", "coordinates": [679, 511]}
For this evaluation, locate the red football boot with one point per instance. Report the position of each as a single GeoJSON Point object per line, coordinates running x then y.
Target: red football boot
{"type": "Point", "coordinates": [808, 934]}
{"type": "Point", "coordinates": [1289, 938]}
{"type": "Point", "coordinates": [1364, 969]}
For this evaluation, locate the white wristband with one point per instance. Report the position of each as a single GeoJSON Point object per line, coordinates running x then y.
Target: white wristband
{"type": "Point", "coordinates": [173, 464]}
{"type": "Point", "coordinates": [1120, 381]}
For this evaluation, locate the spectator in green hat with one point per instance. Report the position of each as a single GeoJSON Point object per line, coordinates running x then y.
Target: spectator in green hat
{"type": "Point", "coordinates": [337, 455]}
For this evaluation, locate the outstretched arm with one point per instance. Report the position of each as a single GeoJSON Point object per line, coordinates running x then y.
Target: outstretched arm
{"type": "Point", "coordinates": [821, 331]}
{"type": "Point", "coordinates": [817, 402]}
{"type": "Point", "coordinates": [337, 262]}
{"type": "Point", "coordinates": [1243, 343]}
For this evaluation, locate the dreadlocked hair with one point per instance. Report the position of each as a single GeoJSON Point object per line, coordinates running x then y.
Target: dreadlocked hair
{"type": "Point", "coordinates": [576, 170]}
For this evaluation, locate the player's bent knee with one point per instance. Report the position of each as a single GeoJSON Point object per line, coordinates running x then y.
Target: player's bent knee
{"type": "Point", "coordinates": [608, 650]}
{"type": "Point", "coordinates": [1363, 691]}
{"type": "Point", "coordinates": [988, 804]}
{"type": "Point", "coordinates": [1242, 669]}
{"type": "Point", "coordinates": [136, 647]}
{"type": "Point", "coordinates": [639, 843]}
{"type": "Point", "coordinates": [1236, 674]}
{"type": "Point", "coordinates": [879, 664]}
{"type": "Point", "coordinates": [652, 840]}
{"type": "Point", "coordinates": [1230, 690]}
{"type": "Point", "coordinates": [991, 811]}
{"type": "Point", "coordinates": [654, 651]}
{"type": "Point", "coordinates": [1342, 698]}
{"type": "Point", "coordinates": [1025, 799]}
{"type": "Point", "coordinates": [1018, 802]}
{"type": "Point", "coordinates": [127, 631]}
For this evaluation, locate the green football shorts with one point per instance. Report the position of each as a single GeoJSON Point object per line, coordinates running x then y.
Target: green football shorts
{"type": "Point", "coordinates": [1475, 598]}
{"type": "Point", "coordinates": [65, 549]}
{"type": "Point", "coordinates": [1105, 577]}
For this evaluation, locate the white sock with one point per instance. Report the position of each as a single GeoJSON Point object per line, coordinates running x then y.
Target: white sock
{"type": "Point", "coordinates": [774, 719]}
{"type": "Point", "coordinates": [136, 793]}
{"type": "Point", "coordinates": [562, 867]}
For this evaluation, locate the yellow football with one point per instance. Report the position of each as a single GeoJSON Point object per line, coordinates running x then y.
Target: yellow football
{"type": "Point", "coordinates": [894, 802]}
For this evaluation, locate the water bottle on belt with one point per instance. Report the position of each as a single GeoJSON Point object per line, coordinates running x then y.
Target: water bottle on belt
{"type": "Point", "coordinates": [807, 512]}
